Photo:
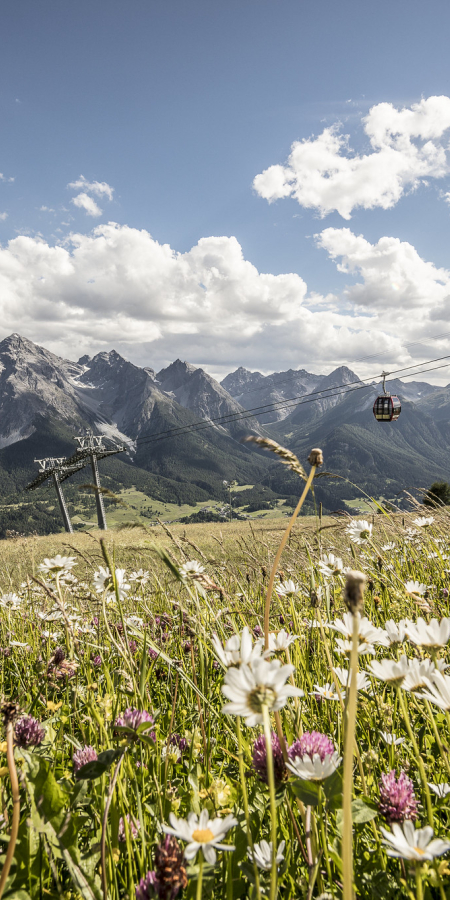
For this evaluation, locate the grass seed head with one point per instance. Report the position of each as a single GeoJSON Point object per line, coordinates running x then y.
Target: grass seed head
{"type": "Point", "coordinates": [354, 591]}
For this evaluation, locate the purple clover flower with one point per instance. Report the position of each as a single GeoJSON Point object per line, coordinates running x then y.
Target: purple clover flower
{"type": "Point", "coordinates": [311, 743]}
{"type": "Point", "coordinates": [133, 826]}
{"type": "Point", "coordinates": [133, 647]}
{"type": "Point", "coordinates": [153, 654]}
{"type": "Point", "coordinates": [169, 875]}
{"type": "Point", "coordinates": [147, 887]}
{"type": "Point", "coordinates": [96, 660]}
{"type": "Point", "coordinates": [29, 732]}
{"type": "Point", "coordinates": [397, 798]}
{"type": "Point", "coordinates": [133, 718]}
{"type": "Point", "coordinates": [82, 757]}
{"type": "Point", "coordinates": [260, 759]}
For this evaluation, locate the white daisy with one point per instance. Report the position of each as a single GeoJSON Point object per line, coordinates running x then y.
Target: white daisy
{"type": "Point", "coordinates": [287, 588]}
{"type": "Point", "coordinates": [362, 682]}
{"type": "Point", "coordinates": [391, 671]}
{"type": "Point", "coordinates": [438, 690]}
{"type": "Point", "coordinates": [262, 854]}
{"type": "Point", "coordinates": [418, 674]}
{"type": "Point", "coordinates": [429, 634]}
{"type": "Point", "coordinates": [407, 843]}
{"type": "Point", "coordinates": [103, 582]}
{"type": "Point", "coordinates": [367, 632]}
{"type": "Point", "coordinates": [391, 739]}
{"type": "Point", "coordinates": [135, 622]}
{"type": "Point", "coordinates": [328, 692]}
{"type": "Point", "coordinates": [396, 631]}
{"type": "Point", "coordinates": [359, 531]}
{"type": "Point", "coordinates": [11, 602]}
{"type": "Point", "coordinates": [281, 641]}
{"type": "Point", "coordinates": [314, 769]}
{"type": "Point", "coordinates": [248, 689]}
{"type": "Point", "coordinates": [423, 521]}
{"type": "Point", "coordinates": [201, 833]}
{"type": "Point", "coordinates": [331, 565]}
{"type": "Point", "coordinates": [238, 649]}
{"type": "Point", "coordinates": [415, 587]}
{"type": "Point", "coordinates": [345, 647]}
{"type": "Point", "coordinates": [441, 790]}
{"type": "Point", "coordinates": [190, 571]}
{"type": "Point", "coordinates": [140, 577]}
{"type": "Point", "coordinates": [387, 547]}
{"type": "Point", "coordinates": [57, 565]}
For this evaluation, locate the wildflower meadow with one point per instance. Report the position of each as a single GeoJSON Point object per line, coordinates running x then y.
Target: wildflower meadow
{"type": "Point", "coordinates": [275, 723]}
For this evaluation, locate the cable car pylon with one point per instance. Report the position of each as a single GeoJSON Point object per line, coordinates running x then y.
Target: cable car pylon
{"type": "Point", "coordinates": [387, 407]}
{"type": "Point", "coordinates": [56, 468]}
{"type": "Point", "coordinates": [91, 446]}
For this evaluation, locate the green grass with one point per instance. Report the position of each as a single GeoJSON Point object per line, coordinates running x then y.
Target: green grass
{"type": "Point", "coordinates": [77, 700]}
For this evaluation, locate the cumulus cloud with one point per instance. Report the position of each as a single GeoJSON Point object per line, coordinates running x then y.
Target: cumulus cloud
{"type": "Point", "coordinates": [395, 277]}
{"type": "Point", "coordinates": [100, 188]}
{"type": "Point", "coordinates": [3, 216]}
{"type": "Point", "coordinates": [84, 201]}
{"type": "Point", "coordinates": [5, 178]}
{"type": "Point", "coordinates": [325, 174]}
{"type": "Point", "coordinates": [118, 287]}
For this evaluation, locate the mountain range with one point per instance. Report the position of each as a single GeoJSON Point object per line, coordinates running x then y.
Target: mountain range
{"type": "Point", "coordinates": [183, 430]}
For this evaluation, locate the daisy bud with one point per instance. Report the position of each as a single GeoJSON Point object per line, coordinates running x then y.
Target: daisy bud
{"type": "Point", "coordinates": [315, 458]}
{"type": "Point", "coordinates": [354, 591]}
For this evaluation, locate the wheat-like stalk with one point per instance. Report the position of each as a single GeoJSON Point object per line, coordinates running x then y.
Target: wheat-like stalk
{"type": "Point", "coordinates": [286, 456]}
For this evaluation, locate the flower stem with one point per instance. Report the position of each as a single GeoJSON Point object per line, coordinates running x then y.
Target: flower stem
{"type": "Point", "coordinates": [423, 777]}
{"type": "Point", "coordinates": [245, 802]}
{"type": "Point", "coordinates": [273, 809]}
{"type": "Point", "coordinates": [200, 877]}
{"type": "Point", "coordinates": [347, 832]}
{"type": "Point", "coordinates": [419, 891]}
{"type": "Point", "coordinates": [16, 805]}
{"type": "Point", "coordinates": [279, 552]}
{"type": "Point", "coordinates": [104, 826]}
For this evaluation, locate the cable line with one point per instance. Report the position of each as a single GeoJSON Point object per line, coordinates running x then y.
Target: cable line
{"type": "Point", "coordinates": [292, 403]}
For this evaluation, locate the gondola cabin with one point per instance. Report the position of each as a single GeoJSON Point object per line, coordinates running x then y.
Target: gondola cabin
{"type": "Point", "coordinates": [387, 407]}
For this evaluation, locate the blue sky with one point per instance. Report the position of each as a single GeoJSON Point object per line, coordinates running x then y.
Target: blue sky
{"type": "Point", "coordinates": [177, 106]}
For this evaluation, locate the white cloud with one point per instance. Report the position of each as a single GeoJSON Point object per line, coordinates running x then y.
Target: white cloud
{"type": "Point", "coordinates": [4, 178]}
{"type": "Point", "coordinates": [323, 173]}
{"type": "Point", "coordinates": [46, 209]}
{"type": "Point", "coordinates": [99, 188]}
{"type": "Point", "coordinates": [3, 216]}
{"type": "Point", "coordinates": [118, 287]}
{"type": "Point", "coordinates": [395, 277]}
{"type": "Point", "coordinates": [84, 201]}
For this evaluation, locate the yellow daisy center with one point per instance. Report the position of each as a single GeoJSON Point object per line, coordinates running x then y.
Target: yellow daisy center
{"type": "Point", "coordinates": [262, 694]}
{"type": "Point", "coordinates": [419, 851]}
{"type": "Point", "coordinates": [202, 835]}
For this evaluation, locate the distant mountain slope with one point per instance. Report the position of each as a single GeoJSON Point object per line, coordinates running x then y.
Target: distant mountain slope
{"type": "Point", "coordinates": [45, 401]}
{"type": "Point", "coordinates": [176, 451]}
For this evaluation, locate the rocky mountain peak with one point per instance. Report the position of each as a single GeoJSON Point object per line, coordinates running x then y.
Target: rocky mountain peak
{"type": "Point", "coordinates": [172, 377]}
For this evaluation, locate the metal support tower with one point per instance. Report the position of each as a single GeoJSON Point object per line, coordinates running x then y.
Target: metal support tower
{"type": "Point", "coordinates": [57, 469]}
{"type": "Point", "coordinates": [91, 446]}
{"type": "Point", "coordinates": [62, 502]}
